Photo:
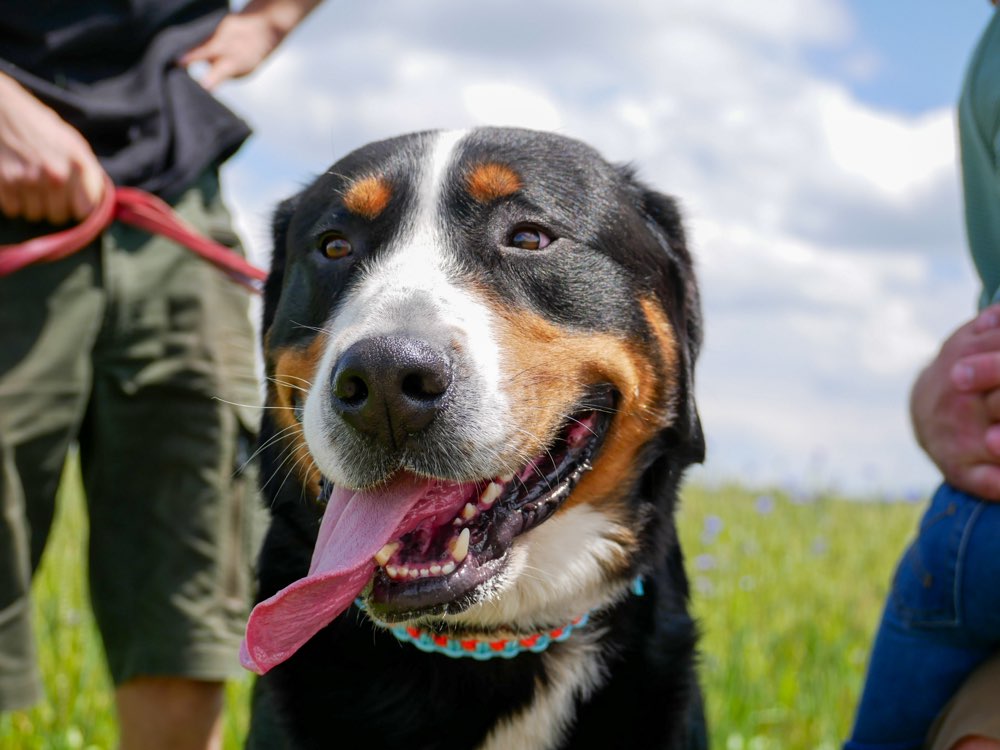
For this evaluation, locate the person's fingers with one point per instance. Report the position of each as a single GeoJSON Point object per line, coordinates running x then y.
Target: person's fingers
{"type": "Point", "coordinates": [222, 69]}
{"type": "Point", "coordinates": [33, 203]}
{"type": "Point", "coordinates": [11, 205]}
{"type": "Point", "coordinates": [202, 53]}
{"type": "Point", "coordinates": [977, 372]}
{"type": "Point", "coordinates": [987, 320]}
{"type": "Point", "coordinates": [991, 399]}
{"type": "Point", "coordinates": [86, 188]}
{"type": "Point", "coordinates": [992, 440]}
{"type": "Point", "coordinates": [56, 205]}
{"type": "Point", "coordinates": [981, 480]}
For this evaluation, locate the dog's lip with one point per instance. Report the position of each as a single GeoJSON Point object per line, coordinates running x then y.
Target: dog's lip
{"type": "Point", "coordinates": [466, 552]}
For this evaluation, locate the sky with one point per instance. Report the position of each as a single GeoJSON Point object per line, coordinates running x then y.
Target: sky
{"type": "Point", "coordinates": [810, 143]}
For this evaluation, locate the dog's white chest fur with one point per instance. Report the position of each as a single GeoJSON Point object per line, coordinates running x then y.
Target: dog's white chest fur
{"type": "Point", "coordinates": [574, 672]}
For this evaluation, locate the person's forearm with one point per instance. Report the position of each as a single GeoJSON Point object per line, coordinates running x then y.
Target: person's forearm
{"type": "Point", "coordinates": [281, 15]}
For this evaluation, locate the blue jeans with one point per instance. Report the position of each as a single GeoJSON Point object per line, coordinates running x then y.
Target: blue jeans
{"type": "Point", "coordinates": [941, 620]}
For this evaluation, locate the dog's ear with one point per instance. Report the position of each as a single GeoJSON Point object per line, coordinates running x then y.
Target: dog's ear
{"type": "Point", "coordinates": [276, 276]}
{"type": "Point", "coordinates": [678, 292]}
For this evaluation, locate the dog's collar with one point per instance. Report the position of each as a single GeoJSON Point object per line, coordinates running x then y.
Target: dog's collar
{"type": "Point", "coordinates": [483, 650]}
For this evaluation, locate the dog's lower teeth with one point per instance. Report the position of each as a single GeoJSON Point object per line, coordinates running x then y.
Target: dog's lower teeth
{"type": "Point", "coordinates": [469, 511]}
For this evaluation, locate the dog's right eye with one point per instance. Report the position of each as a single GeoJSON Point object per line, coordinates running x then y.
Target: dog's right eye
{"type": "Point", "coordinates": [334, 245]}
{"type": "Point", "coordinates": [528, 237]}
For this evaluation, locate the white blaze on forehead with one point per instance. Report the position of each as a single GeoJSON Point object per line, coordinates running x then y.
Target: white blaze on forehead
{"type": "Point", "coordinates": [413, 270]}
{"type": "Point", "coordinates": [413, 290]}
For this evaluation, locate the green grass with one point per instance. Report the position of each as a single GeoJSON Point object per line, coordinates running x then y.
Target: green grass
{"type": "Point", "coordinates": [787, 595]}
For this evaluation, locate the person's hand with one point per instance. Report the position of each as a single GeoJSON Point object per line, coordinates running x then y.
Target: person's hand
{"type": "Point", "coordinates": [955, 407]}
{"type": "Point", "coordinates": [48, 172]}
{"type": "Point", "coordinates": [243, 40]}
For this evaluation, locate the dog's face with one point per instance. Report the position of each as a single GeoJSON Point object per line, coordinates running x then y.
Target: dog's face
{"type": "Point", "coordinates": [506, 314]}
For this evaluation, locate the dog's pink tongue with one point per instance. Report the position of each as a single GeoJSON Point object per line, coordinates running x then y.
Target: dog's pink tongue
{"type": "Point", "coordinates": [355, 526]}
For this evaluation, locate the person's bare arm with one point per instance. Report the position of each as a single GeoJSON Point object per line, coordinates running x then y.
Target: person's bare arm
{"type": "Point", "coordinates": [955, 407]}
{"type": "Point", "coordinates": [244, 39]}
{"type": "Point", "coordinates": [47, 170]}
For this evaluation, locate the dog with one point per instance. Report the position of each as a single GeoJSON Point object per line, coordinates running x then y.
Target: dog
{"type": "Point", "coordinates": [480, 352]}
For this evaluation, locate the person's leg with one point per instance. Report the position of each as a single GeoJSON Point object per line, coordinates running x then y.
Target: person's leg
{"type": "Point", "coordinates": [170, 712]}
{"type": "Point", "coordinates": [49, 317]}
{"type": "Point", "coordinates": [971, 720]}
{"type": "Point", "coordinates": [923, 650]}
{"type": "Point", "coordinates": [170, 501]}
{"type": "Point", "coordinates": [976, 743]}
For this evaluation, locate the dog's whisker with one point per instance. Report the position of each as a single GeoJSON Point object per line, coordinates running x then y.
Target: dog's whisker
{"type": "Point", "coordinates": [283, 433]}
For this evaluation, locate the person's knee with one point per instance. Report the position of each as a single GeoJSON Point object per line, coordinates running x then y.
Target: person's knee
{"type": "Point", "coordinates": [976, 743]}
{"type": "Point", "coordinates": [170, 712]}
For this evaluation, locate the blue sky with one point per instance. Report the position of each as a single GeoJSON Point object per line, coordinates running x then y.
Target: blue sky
{"type": "Point", "coordinates": [918, 50]}
{"type": "Point", "coordinates": [921, 47]}
{"type": "Point", "coordinates": [811, 144]}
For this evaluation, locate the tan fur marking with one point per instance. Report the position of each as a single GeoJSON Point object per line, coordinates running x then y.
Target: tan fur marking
{"type": "Point", "coordinates": [489, 181]}
{"type": "Point", "coordinates": [292, 370]}
{"type": "Point", "coordinates": [368, 197]}
{"type": "Point", "coordinates": [549, 370]}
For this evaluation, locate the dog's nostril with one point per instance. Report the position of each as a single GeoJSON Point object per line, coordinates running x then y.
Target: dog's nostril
{"type": "Point", "coordinates": [351, 389]}
{"type": "Point", "coordinates": [391, 388]}
{"type": "Point", "coordinates": [425, 386]}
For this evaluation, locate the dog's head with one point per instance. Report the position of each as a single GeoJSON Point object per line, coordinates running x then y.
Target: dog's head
{"type": "Point", "coordinates": [480, 348]}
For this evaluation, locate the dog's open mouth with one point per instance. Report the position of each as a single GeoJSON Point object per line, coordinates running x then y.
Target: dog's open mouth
{"type": "Point", "coordinates": [436, 567]}
{"type": "Point", "coordinates": [426, 545]}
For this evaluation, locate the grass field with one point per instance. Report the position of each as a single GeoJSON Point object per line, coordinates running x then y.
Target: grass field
{"type": "Point", "coordinates": [787, 592]}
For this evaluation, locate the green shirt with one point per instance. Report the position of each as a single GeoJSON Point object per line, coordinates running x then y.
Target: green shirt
{"type": "Point", "coordinates": [979, 131]}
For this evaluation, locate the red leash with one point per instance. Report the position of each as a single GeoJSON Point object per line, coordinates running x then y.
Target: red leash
{"type": "Point", "coordinates": [143, 211]}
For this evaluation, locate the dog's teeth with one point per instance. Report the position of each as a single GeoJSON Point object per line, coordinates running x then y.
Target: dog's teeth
{"type": "Point", "coordinates": [391, 570]}
{"type": "Point", "coordinates": [435, 569]}
{"type": "Point", "coordinates": [448, 568]}
{"type": "Point", "coordinates": [457, 521]}
{"type": "Point", "coordinates": [490, 494]}
{"type": "Point", "coordinates": [469, 511]}
{"type": "Point", "coordinates": [424, 572]}
{"type": "Point", "coordinates": [507, 478]}
{"type": "Point", "coordinates": [384, 554]}
{"type": "Point", "coordinates": [414, 573]}
{"type": "Point", "coordinates": [459, 546]}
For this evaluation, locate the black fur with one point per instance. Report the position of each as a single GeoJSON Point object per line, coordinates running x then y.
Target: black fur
{"type": "Point", "coordinates": [353, 685]}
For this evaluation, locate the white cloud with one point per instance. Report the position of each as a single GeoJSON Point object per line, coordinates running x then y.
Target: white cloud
{"type": "Point", "coordinates": [827, 232]}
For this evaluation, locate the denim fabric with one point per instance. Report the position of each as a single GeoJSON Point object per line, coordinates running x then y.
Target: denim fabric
{"type": "Point", "coordinates": [941, 620]}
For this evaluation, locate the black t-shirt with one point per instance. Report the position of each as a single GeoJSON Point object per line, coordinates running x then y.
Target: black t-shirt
{"type": "Point", "coordinates": [108, 68]}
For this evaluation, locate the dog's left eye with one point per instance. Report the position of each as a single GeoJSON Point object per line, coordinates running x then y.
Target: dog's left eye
{"type": "Point", "coordinates": [334, 245]}
{"type": "Point", "coordinates": [529, 238]}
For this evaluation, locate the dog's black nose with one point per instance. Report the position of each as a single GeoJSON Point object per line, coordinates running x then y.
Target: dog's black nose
{"type": "Point", "coordinates": [390, 388]}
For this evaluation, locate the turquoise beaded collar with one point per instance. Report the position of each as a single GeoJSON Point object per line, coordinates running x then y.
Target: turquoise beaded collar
{"type": "Point", "coordinates": [482, 650]}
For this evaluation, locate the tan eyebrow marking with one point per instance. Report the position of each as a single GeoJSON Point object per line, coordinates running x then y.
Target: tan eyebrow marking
{"type": "Point", "coordinates": [368, 196]}
{"type": "Point", "coordinates": [489, 181]}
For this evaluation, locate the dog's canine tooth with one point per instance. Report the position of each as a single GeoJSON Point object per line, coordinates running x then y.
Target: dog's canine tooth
{"type": "Point", "coordinates": [469, 512]}
{"type": "Point", "coordinates": [459, 546]}
{"type": "Point", "coordinates": [387, 551]}
{"type": "Point", "coordinates": [490, 494]}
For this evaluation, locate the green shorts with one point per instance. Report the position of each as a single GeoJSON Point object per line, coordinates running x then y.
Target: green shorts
{"type": "Point", "coordinates": [142, 354]}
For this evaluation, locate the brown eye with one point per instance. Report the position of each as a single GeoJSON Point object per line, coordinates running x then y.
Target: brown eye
{"type": "Point", "coordinates": [529, 238]}
{"type": "Point", "coordinates": [335, 245]}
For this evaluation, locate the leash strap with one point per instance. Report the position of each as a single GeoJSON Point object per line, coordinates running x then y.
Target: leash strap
{"type": "Point", "coordinates": [138, 209]}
